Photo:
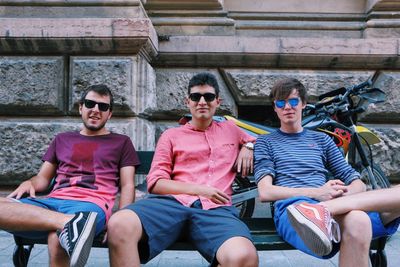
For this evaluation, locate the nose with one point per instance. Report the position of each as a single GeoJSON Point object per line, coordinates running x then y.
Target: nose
{"type": "Point", "coordinates": [202, 101]}
{"type": "Point", "coordinates": [96, 108]}
{"type": "Point", "coordinates": [287, 105]}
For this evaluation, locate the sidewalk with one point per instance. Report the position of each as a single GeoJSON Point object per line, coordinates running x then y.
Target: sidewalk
{"type": "Point", "coordinates": [99, 257]}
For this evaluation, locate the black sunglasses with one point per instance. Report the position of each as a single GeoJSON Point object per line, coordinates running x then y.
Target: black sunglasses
{"type": "Point", "coordinates": [208, 97]}
{"type": "Point", "coordinates": [91, 104]}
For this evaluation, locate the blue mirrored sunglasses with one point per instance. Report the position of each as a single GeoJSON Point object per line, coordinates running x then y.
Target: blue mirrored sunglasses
{"type": "Point", "coordinates": [293, 102]}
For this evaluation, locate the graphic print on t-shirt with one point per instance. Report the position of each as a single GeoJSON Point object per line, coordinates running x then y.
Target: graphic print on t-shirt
{"type": "Point", "coordinates": [82, 162]}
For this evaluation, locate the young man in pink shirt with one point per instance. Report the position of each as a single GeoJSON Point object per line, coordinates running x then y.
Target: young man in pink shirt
{"type": "Point", "coordinates": [190, 190]}
{"type": "Point", "coordinates": [88, 166]}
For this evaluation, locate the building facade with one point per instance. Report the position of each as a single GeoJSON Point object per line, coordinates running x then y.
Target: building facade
{"type": "Point", "coordinates": [147, 50]}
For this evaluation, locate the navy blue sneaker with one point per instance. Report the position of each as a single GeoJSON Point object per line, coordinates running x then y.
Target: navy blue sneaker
{"type": "Point", "coordinates": [77, 237]}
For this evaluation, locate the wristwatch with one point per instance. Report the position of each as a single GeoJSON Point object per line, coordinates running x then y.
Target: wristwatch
{"type": "Point", "coordinates": [249, 145]}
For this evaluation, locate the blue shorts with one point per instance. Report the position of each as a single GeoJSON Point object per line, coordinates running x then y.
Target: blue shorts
{"type": "Point", "coordinates": [164, 220]}
{"type": "Point", "coordinates": [63, 206]}
{"type": "Point", "coordinates": [287, 232]}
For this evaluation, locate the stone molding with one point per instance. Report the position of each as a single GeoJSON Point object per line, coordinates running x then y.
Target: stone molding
{"type": "Point", "coordinates": [382, 5]}
{"type": "Point", "coordinates": [184, 4]}
{"type": "Point", "coordinates": [306, 6]}
{"type": "Point", "coordinates": [236, 51]}
{"type": "Point", "coordinates": [82, 35]}
{"type": "Point", "coordinates": [70, 3]}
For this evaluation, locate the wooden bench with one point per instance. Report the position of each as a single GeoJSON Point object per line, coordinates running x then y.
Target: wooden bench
{"type": "Point", "coordinates": [262, 230]}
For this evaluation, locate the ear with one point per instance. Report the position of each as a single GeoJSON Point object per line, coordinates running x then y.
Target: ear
{"type": "Point", "coordinates": [219, 100]}
{"type": "Point", "coordinates": [80, 109]}
{"type": "Point", "coordinates": [303, 105]}
{"type": "Point", "coordinates": [109, 115]}
{"type": "Point", "coordinates": [187, 101]}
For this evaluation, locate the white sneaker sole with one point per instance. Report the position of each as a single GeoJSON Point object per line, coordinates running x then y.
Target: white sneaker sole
{"type": "Point", "coordinates": [314, 238]}
{"type": "Point", "coordinates": [84, 244]}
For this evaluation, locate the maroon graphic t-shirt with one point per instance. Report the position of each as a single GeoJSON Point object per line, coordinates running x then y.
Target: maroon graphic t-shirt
{"type": "Point", "coordinates": [88, 166]}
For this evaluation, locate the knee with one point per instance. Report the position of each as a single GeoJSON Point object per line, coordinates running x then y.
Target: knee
{"type": "Point", "coordinates": [247, 257]}
{"type": "Point", "coordinates": [357, 228]}
{"type": "Point", "coordinates": [123, 226]}
{"type": "Point", "coordinates": [243, 255]}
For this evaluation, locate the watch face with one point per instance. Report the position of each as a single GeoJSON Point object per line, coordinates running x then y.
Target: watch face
{"type": "Point", "coordinates": [249, 146]}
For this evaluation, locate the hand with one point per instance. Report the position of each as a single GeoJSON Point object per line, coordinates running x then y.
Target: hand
{"type": "Point", "coordinates": [215, 195]}
{"type": "Point", "coordinates": [24, 188]}
{"type": "Point", "coordinates": [244, 161]}
{"type": "Point", "coordinates": [331, 189]}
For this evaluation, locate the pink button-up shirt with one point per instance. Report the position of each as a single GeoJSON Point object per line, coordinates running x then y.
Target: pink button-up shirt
{"type": "Point", "coordinates": [207, 157]}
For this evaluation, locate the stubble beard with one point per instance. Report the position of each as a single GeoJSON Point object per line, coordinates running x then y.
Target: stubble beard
{"type": "Point", "coordinates": [94, 128]}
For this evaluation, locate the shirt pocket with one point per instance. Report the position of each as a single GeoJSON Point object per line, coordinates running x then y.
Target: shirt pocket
{"type": "Point", "coordinates": [226, 153]}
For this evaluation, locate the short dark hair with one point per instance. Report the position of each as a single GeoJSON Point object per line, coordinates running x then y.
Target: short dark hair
{"type": "Point", "coordinates": [283, 88]}
{"type": "Point", "coordinates": [204, 78]}
{"type": "Point", "coordinates": [100, 89]}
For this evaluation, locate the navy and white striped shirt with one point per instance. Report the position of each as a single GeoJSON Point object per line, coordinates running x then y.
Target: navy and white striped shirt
{"type": "Point", "coordinates": [300, 159]}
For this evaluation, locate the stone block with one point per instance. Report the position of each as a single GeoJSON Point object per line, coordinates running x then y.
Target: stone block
{"type": "Point", "coordinates": [386, 153]}
{"type": "Point", "coordinates": [172, 90]}
{"type": "Point", "coordinates": [252, 87]}
{"type": "Point", "coordinates": [389, 111]}
{"type": "Point", "coordinates": [131, 79]}
{"type": "Point", "coordinates": [23, 143]}
{"type": "Point", "coordinates": [31, 85]}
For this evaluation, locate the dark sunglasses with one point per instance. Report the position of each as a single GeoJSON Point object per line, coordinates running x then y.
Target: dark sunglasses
{"type": "Point", "coordinates": [293, 102]}
{"type": "Point", "coordinates": [208, 97]}
{"type": "Point", "coordinates": [91, 104]}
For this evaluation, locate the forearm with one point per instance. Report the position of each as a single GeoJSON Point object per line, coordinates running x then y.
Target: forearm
{"type": "Point", "coordinates": [168, 186]}
{"type": "Point", "coordinates": [40, 183]}
{"type": "Point", "coordinates": [46, 173]}
{"type": "Point", "coordinates": [127, 195]}
{"type": "Point", "coordinates": [357, 186]}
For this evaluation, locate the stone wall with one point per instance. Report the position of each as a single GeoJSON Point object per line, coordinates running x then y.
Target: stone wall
{"type": "Point", "coordinates": [52, 50]}
{"type": "Point", "coordinates": [146, 51]}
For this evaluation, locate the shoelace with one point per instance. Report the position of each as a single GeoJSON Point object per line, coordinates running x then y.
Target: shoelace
{"type": "Point", "coordinates": [63, 237]}
{"type": "Point", "coordinates": [333, 228]}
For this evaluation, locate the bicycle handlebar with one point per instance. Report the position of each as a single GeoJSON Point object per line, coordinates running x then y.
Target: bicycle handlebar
{"type": "Point", "coordinates": [362, 85]}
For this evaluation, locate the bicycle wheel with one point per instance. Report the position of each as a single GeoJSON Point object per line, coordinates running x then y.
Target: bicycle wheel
{"type": "Point", "coordinates": [246, 208]}
{"type": "Point", "coordinates": [381, 180]}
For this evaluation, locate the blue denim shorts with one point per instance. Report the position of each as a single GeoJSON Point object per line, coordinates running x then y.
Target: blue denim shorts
{"type": "Point", "coordinates": [287, 232]}
{"type": "Point", "coordinates": [165, 220]}
{"type": "Point", "coordinates": [65, 206]}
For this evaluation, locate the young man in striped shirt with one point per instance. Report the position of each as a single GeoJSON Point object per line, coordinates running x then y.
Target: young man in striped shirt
{"type": "Point", "coordinates": [291, 167]}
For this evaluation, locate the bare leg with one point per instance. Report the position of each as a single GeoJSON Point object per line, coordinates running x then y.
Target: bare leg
{"type": "Point", "coordinates": [24, 217]}
{"type": "Point", "coordinates": [356, 233]}
{"type": "Point", "coordinates": [386, 201]}
{"type": "Point", "coordinates": [237, 251]}
{"type": "Point", "coordinates": [57, 255]}
{"type": "Point", "coordinates": [124, 231]}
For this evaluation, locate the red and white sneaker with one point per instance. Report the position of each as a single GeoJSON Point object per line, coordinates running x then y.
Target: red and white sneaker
{"type": "Point", "coordinates": [315, 226]}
